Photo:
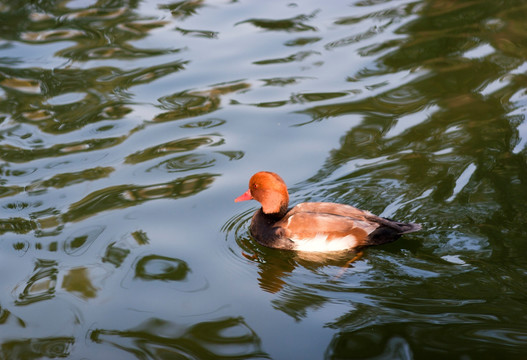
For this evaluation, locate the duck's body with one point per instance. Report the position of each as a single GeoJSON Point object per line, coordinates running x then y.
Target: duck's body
{"type": "Point", "coordinates": [317, 226]}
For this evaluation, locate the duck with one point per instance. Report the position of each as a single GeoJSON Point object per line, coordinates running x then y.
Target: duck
{"type": "Point", "coordinates": [314, 226]}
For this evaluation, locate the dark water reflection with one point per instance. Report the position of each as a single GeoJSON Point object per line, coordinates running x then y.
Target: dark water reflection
{"type": "Point", "coordinates": [156, 338]}
{"type": "Point", "coordinates": [37, 348]}
{"type": "Point", "coordinates": [128, 127]}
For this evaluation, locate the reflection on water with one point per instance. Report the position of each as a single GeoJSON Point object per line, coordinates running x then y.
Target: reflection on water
{"type": "Point", "coordinates": [125, 195]}
{"type": "Point", "coordinates": [156, 338]}
{"type": "Point", "coordinates": [78, 281]}
{"type": "Point", "coordinates": [274, 269]}
{"type": "Point", "coordinates": [128, 127]}
{"type": "Point", "coordinates": [41, 285]}
{"type": "Point", "coordinates": [155, 267]}
{"type": "Point", "coordinates": [57, 347]}
{"type": "Point", "coordinates": [79, 242]}
{"type": "Point", "coordinates": [189, 104]}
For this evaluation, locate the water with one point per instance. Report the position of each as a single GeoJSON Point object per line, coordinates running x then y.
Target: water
{"type": "Point", "coordinates": [128, 128]}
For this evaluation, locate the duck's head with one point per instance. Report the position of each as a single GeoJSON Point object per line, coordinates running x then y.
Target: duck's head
{"type": "Point", "coordinates": [269, 190]}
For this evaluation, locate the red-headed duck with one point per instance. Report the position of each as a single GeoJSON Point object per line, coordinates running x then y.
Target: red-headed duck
{"type": "Point", "coordinates": [314, 226]}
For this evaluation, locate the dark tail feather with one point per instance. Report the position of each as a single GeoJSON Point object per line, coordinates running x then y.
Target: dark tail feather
{"type": "Point", "coordinates": [390, 231]}
{"type": "Point", "coordinates": [409, 227]}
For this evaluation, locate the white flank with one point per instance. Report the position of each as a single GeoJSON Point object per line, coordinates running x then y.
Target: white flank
{"type": "Point", "coordinates": [320, 244]}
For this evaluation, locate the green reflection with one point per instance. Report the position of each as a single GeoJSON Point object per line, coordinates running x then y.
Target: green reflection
{"type": "Point", "coordinates": [115, 255]}
{"type": "Point", "coordinates": [52, 347]}
{"type": "Point", "coordinates": [81, 240]}
{"type": "Point", "coordinates": [295, 24]}
{"type": "Point", "coordinates": [6, 316]}
{"type": "Point", "coordinates": [123, 196]}
{"type": "Point", "coordinates": [17, 225]}
{"type": "Point", "coordinates": [19, 155]}
{"type": "Point", "coordinates": [140, 237]}
{"type": "Point", "coordinates": [225, 338]}
{"type": "Point", "coordinates": [183, 9]}
{"type": "Point", "coordinates": [190, 104]}
{"type": "Point", "coordinates": [157, 267]}
{"type": "Point", "coordinates": [68, 179]}
{"type": "Point", "coordinates": [78, 281]}
{"type": "Point", "coordinates": [180, 145]}
{"type": "Point", "coordinates": [41, 285]}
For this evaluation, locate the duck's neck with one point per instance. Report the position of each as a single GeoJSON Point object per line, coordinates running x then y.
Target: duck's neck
{"type": "Point", "coordinates": [275, 216]}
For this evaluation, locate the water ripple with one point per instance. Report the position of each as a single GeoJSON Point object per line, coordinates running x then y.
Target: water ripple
{"type": "Point", "coordinates": [50, 347]}
{"type": "Point", "coordinates": [81, 240]}
{"type": "Point", "coordinates": [29, 86]}
{"type": "Point", "coordinates": [52, 35]}
{"type": "Point", "coordinates": [155, 267]}
{"type": "Point", "coordinates": [41, 285]}
{"type": "Point", "coordinates": [295, 24]}
{"type": "Point", "coordinates": [123, 196]}
{"type": "Point", "coordinates": [180, 145]}
{"type": "Point", "coordinates": [219, 338]}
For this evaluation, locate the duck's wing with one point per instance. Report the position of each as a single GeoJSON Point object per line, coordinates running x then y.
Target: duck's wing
{"type": "Point", "coordinates": [311, 229]}
{"type": "Point", "coordinates": [363, 218]}
{"type": "Point", "coordinates": [332, 227]}
{"type": "Point", "coordinates": [331, 208]}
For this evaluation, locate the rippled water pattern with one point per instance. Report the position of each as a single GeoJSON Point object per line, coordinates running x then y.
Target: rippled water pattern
{"type": "Point", "coordinates": [127, 128]}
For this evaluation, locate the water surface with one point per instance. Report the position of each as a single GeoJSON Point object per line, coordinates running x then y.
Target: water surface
{"type": "Point", "coordinates": [127, 128]}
